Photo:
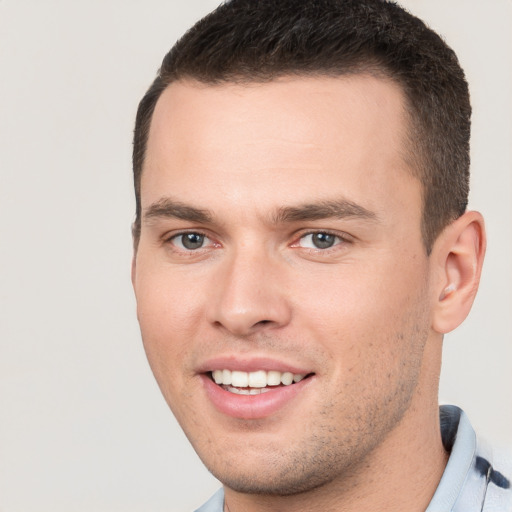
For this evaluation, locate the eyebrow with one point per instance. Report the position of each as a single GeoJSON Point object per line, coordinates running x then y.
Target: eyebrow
{"type": "Point", "coordinates": [170, 209]}
{"type": "Point", "coordinates": [340, 209]}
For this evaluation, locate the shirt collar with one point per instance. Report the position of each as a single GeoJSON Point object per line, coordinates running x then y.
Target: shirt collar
{"type": "Point", "coordinates": [465, 479]}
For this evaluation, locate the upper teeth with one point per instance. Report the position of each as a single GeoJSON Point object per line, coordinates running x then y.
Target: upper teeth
{"type": "Point", "coordinates": [258, 379]}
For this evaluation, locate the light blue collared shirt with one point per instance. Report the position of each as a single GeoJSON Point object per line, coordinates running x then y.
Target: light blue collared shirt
{"type": "Point", "coordinates": [474, 480]}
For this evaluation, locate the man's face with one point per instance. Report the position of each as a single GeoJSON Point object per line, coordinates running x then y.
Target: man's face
{"type": "Point", "coordinates": [281, 235]}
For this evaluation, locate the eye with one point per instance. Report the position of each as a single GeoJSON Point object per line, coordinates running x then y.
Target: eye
{"type": "Point", "coordinates": [189, 241]}
{"type": "Point", "coordinates": [319, 240]}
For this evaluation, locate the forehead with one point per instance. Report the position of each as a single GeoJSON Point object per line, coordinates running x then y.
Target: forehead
{"type": "Point", "coordinates": [286, 108]}
{"type": "Point", "coordinates": [302, 135]}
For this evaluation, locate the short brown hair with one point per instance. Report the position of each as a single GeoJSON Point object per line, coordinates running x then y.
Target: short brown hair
{"type": "Point", "coordinates": [257, 41]}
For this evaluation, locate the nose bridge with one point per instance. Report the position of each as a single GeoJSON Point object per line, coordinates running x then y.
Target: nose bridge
{"type": "Point", "coordinates": [250, 294]}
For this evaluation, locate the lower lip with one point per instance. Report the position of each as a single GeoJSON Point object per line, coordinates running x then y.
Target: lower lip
{"type": "Point", "coordinates": [252, 407]}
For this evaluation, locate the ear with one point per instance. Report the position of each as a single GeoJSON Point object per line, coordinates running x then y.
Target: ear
{"type": "Point", "coordinates": [134, 268]}
{"type": "Point", "coordinates": [135, 241]}
{"type": "Point", "coordinates": [458, 255]}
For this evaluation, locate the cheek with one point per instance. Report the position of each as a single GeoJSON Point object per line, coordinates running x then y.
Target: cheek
{"type": "Point", "coordinates": [368, 316]}
{"type": "Point", "coordinates": [168, 313]}
{"type": "Point", "coordinates": [167, 301]}
{"type": "Point", "coordinates": [164, 325]}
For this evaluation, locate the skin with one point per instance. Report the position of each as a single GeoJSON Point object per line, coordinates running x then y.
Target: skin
{"type": "Point", "coordinates": [364, 317]}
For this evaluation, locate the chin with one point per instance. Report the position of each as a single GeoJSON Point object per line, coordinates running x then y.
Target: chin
{"type": "Point", "coordinates": [274, 473]}
{"type": "Point", "coordinates": [272, 485]}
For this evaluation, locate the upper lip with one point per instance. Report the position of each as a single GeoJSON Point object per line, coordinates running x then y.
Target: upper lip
{"type": "Point", "coordinates": [245, 364]}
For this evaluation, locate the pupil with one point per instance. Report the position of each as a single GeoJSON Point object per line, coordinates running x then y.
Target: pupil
{"type": "Point", "coordinates": [192, 240]}
{"type": "Point", "coordinates": [323, 240]}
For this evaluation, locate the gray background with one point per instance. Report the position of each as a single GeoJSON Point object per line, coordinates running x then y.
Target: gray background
{"type": "Point", "coordinates": [82, 424]}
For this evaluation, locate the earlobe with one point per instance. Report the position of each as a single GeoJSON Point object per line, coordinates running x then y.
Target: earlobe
{"type": "Point", "coordinates": [458, 254]}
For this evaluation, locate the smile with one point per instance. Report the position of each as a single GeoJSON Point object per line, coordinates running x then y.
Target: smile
{"type": "Point", "coordinates": [254, 388]}
{"type": "Point", "coordinates": [254, 383]}
{"type": "Point", "coordinates": [254, 394]}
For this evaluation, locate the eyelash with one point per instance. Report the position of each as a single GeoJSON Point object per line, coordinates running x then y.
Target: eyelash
{"type": "Point", "coordinates": [341, 239]}
{"type": "Point", "coordinates": [175, 236]}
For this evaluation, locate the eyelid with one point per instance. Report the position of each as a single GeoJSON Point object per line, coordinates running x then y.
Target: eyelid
{"type": "Point", "coordinates": [312, 231]}
{"type": "Point", "coordinates": [169, 237]}
{"type": "Point", "coordinates": [343, 238]}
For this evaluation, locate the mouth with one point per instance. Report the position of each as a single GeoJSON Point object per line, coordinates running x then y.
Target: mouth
{"type": "Point", "coordinates": [255, 382]}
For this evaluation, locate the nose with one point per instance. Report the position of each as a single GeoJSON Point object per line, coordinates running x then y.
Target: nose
{"type": "Point", "coordinates": [250, 294]}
